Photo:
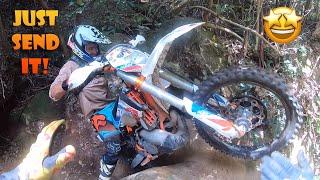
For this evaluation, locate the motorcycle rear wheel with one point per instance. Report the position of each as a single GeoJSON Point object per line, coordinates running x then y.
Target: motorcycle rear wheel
{"type": "Point", "coordinates": [269, 81]}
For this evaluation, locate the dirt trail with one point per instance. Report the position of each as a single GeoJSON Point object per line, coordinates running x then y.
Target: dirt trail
{"type": "Point", "coordinates": [199, 161]}
{"type": "Point", "coordinates": [196, 161]}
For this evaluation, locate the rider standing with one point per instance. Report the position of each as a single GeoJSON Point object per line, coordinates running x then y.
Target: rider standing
{"type": "Point", "coordinates": [93, 98]}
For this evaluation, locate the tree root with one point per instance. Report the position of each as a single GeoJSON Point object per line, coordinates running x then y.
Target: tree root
{"type": "Point", "coordinates": [210, 25]}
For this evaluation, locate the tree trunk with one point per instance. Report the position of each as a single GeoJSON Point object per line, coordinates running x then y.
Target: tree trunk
{"type": "Point", "coordinates": [4, 46]}
{"type": "Point", "coordinates": [207, 14]}
{"type": "Point", "coordinates": [259, 9]}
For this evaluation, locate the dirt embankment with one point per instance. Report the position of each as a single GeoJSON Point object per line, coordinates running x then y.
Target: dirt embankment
{"type": "Point", "coordinates": [196, 161]}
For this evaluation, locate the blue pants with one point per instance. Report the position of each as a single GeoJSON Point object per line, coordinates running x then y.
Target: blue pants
{"type": "Point", "coordinates": [112, 152]}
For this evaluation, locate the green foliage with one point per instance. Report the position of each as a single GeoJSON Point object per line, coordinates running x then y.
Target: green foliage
{"type": "Point", "coordinates": [289, 68]}
{"type": "Point", "coordinates": [299, 64]}
{"type": "Point", "coordinates": [139, 19]}
{"type": "Point", "coordinates": [123, 5]}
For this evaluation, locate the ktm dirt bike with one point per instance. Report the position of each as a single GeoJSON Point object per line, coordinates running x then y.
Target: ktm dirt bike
{"type": "Point", "coordinates": [245, 112]}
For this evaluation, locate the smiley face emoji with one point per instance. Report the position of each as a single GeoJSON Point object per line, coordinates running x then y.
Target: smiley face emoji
{"type": "Point", "coordinates": [282, 25]}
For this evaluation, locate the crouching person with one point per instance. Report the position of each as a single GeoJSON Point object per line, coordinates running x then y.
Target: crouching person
{"type": "Point", "coordinates": [93, 98]}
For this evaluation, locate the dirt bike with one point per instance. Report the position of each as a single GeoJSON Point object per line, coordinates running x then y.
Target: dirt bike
{"type": "Point", "coordinates": [245, 112]}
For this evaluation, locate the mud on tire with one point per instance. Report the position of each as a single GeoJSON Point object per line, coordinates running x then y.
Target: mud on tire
{"type": "Point", "coordinates": [267, 80]}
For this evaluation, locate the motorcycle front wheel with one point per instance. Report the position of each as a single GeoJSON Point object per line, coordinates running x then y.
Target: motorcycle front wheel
{"type": "Point", "coordinates": [262, 97]}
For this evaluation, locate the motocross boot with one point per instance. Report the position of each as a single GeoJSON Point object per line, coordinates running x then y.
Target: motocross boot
{"type": "Point", "coordinates": [106, 170]}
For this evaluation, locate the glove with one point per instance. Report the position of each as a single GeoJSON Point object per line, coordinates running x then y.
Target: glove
{"type": "Point", "coordinates": [37, 164]}
{"type": "Point", "coordinates": [279, 167]}
{"type": "Point", "coordinates": [108, 69]}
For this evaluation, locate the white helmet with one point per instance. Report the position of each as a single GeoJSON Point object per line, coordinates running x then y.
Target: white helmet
{"type": "Point", "coordinates": [83, 35]}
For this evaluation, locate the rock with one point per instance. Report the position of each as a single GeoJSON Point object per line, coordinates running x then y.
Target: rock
{"type": "Point", "coordinates": [200, 164]}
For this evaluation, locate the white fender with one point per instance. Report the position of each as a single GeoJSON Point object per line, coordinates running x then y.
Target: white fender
{"type": "Point", "coordinates": [157, 51]}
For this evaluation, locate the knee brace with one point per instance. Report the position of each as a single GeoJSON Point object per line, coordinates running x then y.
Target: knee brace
{"type": "Point", "coordinates": [106, 131]}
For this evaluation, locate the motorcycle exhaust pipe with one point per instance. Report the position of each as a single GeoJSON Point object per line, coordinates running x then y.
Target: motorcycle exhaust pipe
{"type": "Point", "coordinates": [166, 139]}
